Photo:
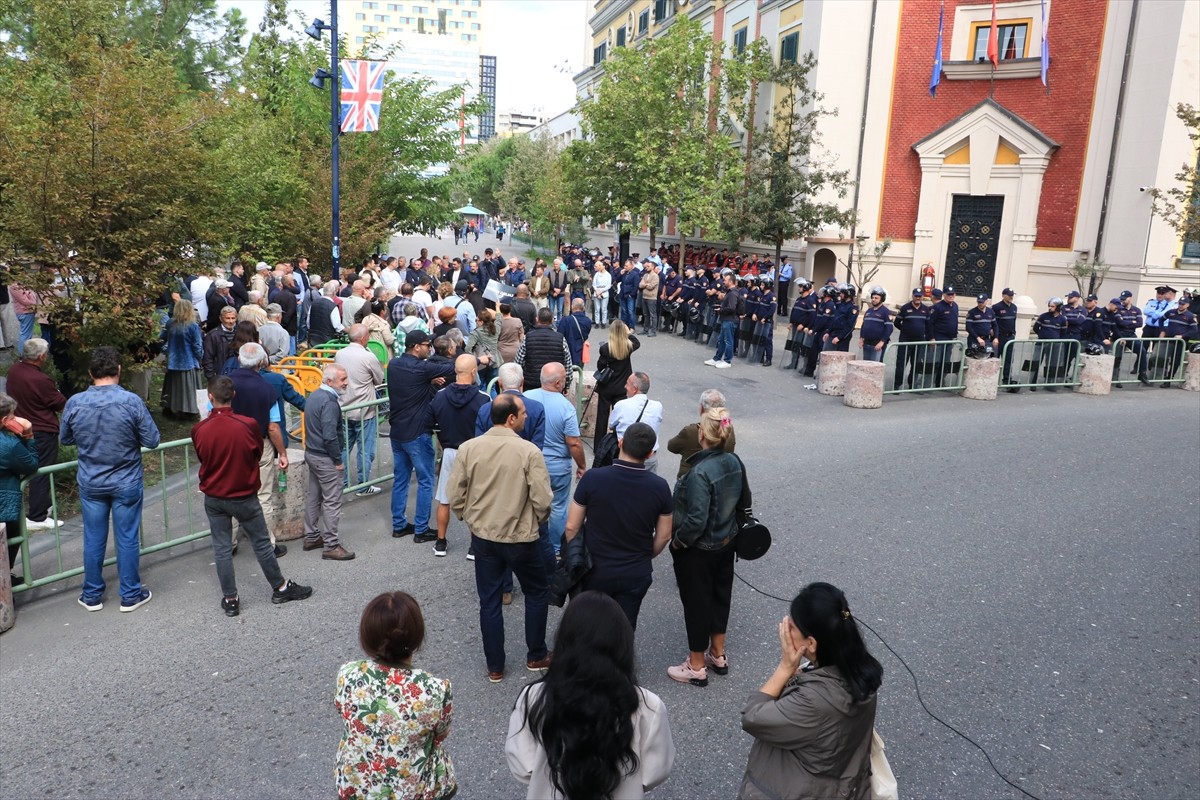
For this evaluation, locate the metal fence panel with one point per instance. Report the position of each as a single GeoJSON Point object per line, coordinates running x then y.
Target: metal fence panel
{"type": "Point", "coordinates": [1040, 364]}
{"type": "Point", "coordinates": [1160, 360]}
{"type": "Point", "coordinates": [923, 367]}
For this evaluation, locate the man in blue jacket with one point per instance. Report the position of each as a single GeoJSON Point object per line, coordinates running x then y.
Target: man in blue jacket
{"type": "Point", "coordinates": [412, 382]}
{"type": "Point", "coordinates": [943, 327]}
{"type": "Point", "coordinates": [876, 327]}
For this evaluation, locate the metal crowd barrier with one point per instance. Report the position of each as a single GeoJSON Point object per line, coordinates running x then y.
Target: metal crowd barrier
{"type": "Point", "coordinates": [1161, 359]}
{"type": "Point", "coordinates": [362, 438]}
{"type": "Point", "coordinates": [1040, 364]}
{"type": "Point", "coordinates": [923, 367]}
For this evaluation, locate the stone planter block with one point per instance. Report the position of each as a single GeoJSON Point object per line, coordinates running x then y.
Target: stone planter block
{"type": "Point", "coordinates": [864, 384]}
{"type": "Point", "coordinates": [1095, 375]}
{"type": "Point", "coordinates": [1191, 373]}
{"type": "Point", "coordinates": [8, 612]}
{"type": "Point", "coordinates": [587, 425]}
{"type": "Point", "coordinates": [982, 379]}
{"type": "Point", "coordinates": [831, 372]}
{"type": "Point", "coordinates": [289, 519]}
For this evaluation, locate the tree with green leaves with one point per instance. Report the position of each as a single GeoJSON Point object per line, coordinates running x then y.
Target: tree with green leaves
{"type": "Point", "coordinates": [785, 172]}
{"type": "Point", "coordinates": [1179, 206]}
{"type": "Point", "coordinates": [478, 174]}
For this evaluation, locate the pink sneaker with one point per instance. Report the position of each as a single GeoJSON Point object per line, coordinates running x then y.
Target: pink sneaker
{"type": "Point", "coordinates": [718, 664]}
{"type": "Point", "coordinates": [685, 674]}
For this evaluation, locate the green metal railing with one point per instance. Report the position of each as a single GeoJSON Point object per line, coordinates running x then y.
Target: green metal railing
{"type": "Point", "coordinates": [179, 486]}
{"type": "Point", "coordinates": [357, 443]}
{"type": "Point", "coordinates": [1046, 363]}
{"type": "Point", "coordinates": [1160, 359]}
{"type": "Point", "coordinates": [927, 367]}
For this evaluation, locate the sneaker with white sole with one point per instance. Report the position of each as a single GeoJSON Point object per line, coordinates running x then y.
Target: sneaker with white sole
{"type": "Point", "coordinates": [439, 547]}
{"type": "Point", "coordinates": [724, 364]}
{"type": "Point", "coordinates": [712, 362]}
{"type": "Point", "coordinates": [125, 609]}
{"type": "Point", "coordinates": [96, 605]}
{"type": "Point", "coordinates": [44, 525]}
{"type": "Point", "coordinates": [368, 491]}
{"type": "Point", "coordinates": [685, 674]}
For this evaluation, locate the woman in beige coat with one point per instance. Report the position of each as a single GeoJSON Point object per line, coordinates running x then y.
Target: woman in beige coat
{"type": "Point", "coordinates": [812, 720]}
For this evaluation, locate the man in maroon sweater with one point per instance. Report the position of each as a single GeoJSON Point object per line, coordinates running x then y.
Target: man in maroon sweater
{"type": "Point", "coordinates": [228, 446]}
{"type": "Point", "coordinates": [40, 402]}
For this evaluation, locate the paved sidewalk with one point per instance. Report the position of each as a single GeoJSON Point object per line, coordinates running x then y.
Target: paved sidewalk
{"type": "Point", "coordinates": [1048, 612]}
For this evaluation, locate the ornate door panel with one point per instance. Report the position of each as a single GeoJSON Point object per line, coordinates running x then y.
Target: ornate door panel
{"type": "Point", "coordinates": [974, 237]}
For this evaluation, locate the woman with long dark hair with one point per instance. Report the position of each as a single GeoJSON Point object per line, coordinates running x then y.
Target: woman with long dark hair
{"type": "Point", "coordinates": [587, 731]}
{"type": "Point", "coordinates": [813, 718]}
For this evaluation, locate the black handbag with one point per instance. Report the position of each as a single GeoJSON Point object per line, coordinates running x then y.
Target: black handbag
{"type": "Point", "coordinates": [576, 563]}
{"type": "Point", "coordinates": [610, 446]}
{"type": "Point", "coordinates": [753, 539]}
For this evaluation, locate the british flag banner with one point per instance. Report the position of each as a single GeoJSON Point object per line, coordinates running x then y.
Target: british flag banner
{"type": "Point", "coordinates": [362, 94]}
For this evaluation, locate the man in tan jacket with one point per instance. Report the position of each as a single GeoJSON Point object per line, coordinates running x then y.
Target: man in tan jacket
{"type": "Point", "coordinates": [500, 487]}
{"type": "Point", "coordinates": [649, 286]}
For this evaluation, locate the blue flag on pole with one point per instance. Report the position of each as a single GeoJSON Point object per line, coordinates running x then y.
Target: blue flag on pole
{"type": "Point", "coordinates": [1045, 45]}
{"type": "Point", "coordinates": [936, 77]}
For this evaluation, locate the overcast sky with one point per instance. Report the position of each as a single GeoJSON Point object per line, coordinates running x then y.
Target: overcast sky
{"type": "Point", "coordinates": [538, 44]}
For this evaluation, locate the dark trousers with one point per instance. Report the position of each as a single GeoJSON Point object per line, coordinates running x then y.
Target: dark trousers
{"type": "Point", "coordinates": [221, 512]}
{"type": "Point", "coordinates": [784, 306]}
{"type": "Point", "coordinates": [12, 529]}
{"type": "Point", "coordinates": [908, 366]}
{"type": "Point", "coordinates": [1138, 348]}
{"type": "Point", "coordinates": [628, 592]}
{"type": "Point", "coordinates": [39, 486]}
{"type": "Point", "coordinates": [1006, 368]}
{"type": "Point", "coordinates": [814, 353]}
{"type": "Point", "coordinates": [492, 560]}
{"type": "Point", "coordinates": [705, 579]}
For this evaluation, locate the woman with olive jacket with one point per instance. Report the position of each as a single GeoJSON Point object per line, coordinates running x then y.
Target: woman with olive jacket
{"type": "Point", "coordinates": [812, 720]}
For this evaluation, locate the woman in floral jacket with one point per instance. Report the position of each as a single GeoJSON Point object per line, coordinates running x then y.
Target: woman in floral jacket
{"type": "Point", "coordinates": [397, 716]}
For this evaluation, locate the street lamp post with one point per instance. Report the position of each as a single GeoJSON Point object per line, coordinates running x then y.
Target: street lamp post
{"type": "Point", "coordinates": [318, 80]}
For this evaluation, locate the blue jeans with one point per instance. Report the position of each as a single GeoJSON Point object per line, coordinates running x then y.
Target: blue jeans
{"type": "Point", "coordinates": [600, 310]}
{"type": "Point", "coordinates": [628, 315]}
{"type": "Point", "coordinates": [869, 353]}
{"type": "Point", "coordinates": [125, 506]}
{"type": "Point", "coordinates": [302, 313]}
{"type": "Point", "coordinates": [492, 561]}
{"type": "Point", "coordinates": [556, 306]}
{"type": "Point", "coordinates": [26, 321]}
{"type": "Point", "coordinates": [363, 434]}
{"type": "Point", "coordinates": [416, 454]}
{"type": "Point", "coordinates": [560, 485]}
{"type": "Point", "coordinates": [725, 341]}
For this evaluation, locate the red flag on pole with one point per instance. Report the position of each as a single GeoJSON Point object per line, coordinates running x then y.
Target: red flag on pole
{"type": "Point", "coordinates": [993, 51]}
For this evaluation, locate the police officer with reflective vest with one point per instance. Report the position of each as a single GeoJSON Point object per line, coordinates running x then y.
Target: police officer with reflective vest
{"type": "Point", "coordinates": [876, 326]}
{"type": "Point", "coordinates": [913, 322]}
{"type": "Point", "coordinates": [1006, 331]}
{"type": "Point", "coordinates": [1178, 323]}
{"type": "Point", "coordinates": [981, 328]}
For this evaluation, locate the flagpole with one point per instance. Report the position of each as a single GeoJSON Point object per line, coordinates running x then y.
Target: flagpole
{"type": "Point", "coordinates": [335, 129]}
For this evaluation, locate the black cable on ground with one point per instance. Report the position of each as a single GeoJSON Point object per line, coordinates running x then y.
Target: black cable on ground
{"type": "Point", "coordinates": [916, 686]}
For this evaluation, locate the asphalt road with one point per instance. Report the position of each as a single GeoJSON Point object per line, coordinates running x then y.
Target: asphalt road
{"type": "Point", "coordinates": [1033, 559]}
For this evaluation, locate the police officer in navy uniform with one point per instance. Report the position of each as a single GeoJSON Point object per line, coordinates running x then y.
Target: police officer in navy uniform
{"type": "Point", "coordinates": [1178, 323]}
{"type": "Point", "coordinates": [943, 327]}
{"type": "Point", "coordinates": [1128, 319]}
{"type": "Point", "coordinates": [1006, 331]}
{"type": "Point", "coordinates": [822, 319]}
{"type": "Point", "coordinates": [800, 322]}
{"type": "Point", "coordinates": [845, 319]}
{"type": "Point", "coordinates": [981, 327]}
{"type": "Point", "coordinates": [1096, 329]}
{"type": "Point", "coordinates": [1050, 327]}
{"type": "Point", "coordinates": [766, 319]}
{"type": "Point", "coordinates": [876, 326]}
{"type": "Point", "coordinates": [913, 322]}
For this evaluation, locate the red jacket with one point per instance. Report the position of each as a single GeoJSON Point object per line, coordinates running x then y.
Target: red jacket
{"type": "Point", "coordinates": [229, 446]}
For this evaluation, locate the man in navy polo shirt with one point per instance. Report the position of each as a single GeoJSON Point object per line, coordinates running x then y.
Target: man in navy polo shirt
{"type": "Point", "coordinates": [623, 537]}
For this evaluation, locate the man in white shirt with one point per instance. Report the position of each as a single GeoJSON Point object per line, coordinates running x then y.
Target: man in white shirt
{"type": "Point", "coordinates": [637, 404]}
{"type": "Point", "coordinates": [465, 318]}
{"type": "Point", "coordinates": [391, 277]}
{"type": "Point", "coordinates": [424, 299]}
{"type": "Point", "coordinates": [199, 289]}
{"type": "Point", "coordinates": [601, 285]}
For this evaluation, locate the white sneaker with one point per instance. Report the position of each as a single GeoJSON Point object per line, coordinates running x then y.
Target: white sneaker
{"type": "Point", "coordinates": [712, 362]}
{"type": "Point", "coordinates": [44, 525]}
{"type": "Point", "coordinates": [724, 365]}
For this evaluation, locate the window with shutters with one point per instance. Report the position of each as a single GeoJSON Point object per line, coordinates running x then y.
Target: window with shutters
{"type": "Point", "coordinates": [789, 48]}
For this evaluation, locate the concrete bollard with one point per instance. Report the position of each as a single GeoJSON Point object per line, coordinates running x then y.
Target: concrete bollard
{"type": "Point", "coordinates": [982, 379]}
{"type": "Point", "coordinates": [8, 612]}
{"type": "Point", "coordinates": [831, 372]}
{"type": "Point", "coordinates": [289, 521]}
{"type": "Point", "coordinates": [864, 384]}
{"type": "Point", "coordinates": [1191, 373]}
{"type": "Point", "coordinates": [1095, 375]}
{"type": "Point", "coordinates": [587, 425]}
